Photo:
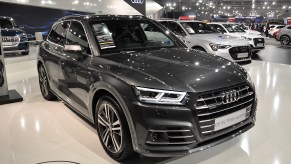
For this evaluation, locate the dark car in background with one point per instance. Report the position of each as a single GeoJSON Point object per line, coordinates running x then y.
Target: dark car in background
{"type": "Point", "coordinates": [14, 39]}
{"type": "Point", "coordinates": [142, 88]}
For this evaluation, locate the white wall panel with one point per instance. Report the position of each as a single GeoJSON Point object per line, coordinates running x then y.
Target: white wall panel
{"type": "Point", "coordinates": [96, 6]}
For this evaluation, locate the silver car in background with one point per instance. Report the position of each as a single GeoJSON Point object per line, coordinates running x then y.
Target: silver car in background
{"type": "Point", "coordinates": [257, 42]}
{"type": "Point", "coordinates": [198, 35]}
{"type": "Point", "coordinates": [284, 35]}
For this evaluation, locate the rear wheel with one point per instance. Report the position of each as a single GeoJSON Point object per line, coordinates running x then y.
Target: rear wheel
{"type": "Point", "coordinates": [44, 84]}
{"type": "Point", "coordinates": [112, 129]}
{"type": "Point", "coordinates": [285, 40]}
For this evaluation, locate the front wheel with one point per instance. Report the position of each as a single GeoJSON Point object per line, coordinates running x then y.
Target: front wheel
{"type": "Point", "coordinates": [44, 84]}
{"type": "Point", "coordinates": [112, 129]}
{"type": "Point", "coordinates": [285, 40]}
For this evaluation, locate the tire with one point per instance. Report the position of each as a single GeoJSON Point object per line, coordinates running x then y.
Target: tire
{"type": "Point", "coordinates": [285, 40]}
{"type": "Point", "coordinates": [25, 53]}
{"type": "Point", "coordinates": [120, 149]}
{"type": "Point", "coordinates": [44, 84]}
{"type": "Point", "coordinates": [199, 49]}
{"type": "Point", "coordinates": [255, 51]}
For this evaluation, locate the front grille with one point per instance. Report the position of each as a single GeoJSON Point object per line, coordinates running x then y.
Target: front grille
{"type": "Point", "coordinates": [10, 39]}
{"type": "Point", "coordinates": [259, 40]}
{"type": "Point", "coordinates": [212, 105]}
{"type": "Point", "coordinates": [234, 51]}
{"type": "Point", "coordinates": [170, 136]}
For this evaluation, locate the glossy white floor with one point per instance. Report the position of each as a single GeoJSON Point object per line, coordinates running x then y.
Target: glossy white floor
{"type": "Point", "coordinates": [36, 131]}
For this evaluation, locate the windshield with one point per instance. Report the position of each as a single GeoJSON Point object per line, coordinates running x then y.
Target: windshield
{"type": "Point", "coordinates": [130, 35]}
{"type": "Point", "coordinates": [233, 28]}
{"type": "Point", "coordinates": [197, 28]}
{"type": "Point", "coordinates": [6, 23]}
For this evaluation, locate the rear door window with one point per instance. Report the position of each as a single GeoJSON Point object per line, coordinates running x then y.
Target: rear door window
{"type": "Point", "coordinates": [58, 32]}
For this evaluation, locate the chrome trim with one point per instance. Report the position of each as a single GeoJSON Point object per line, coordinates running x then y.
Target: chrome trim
{"type": "Point", "coordinates": [219, 103]}
{"type": "Point", "coordinates": [170, 143]}
{"type": "Point", "coordinates": [206, 114]}
{"type": "Point", "coordinates": [14, 51]}
{"type": "Point", "coordinates": [206, 126]}
{"type": "Point", "coordinates": [191, 136]}
{"type": "Point", "coordinates": [178, 130]}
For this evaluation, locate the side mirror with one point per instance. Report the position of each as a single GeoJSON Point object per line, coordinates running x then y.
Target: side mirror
{"type": "Point", "coordinates": [73, 48]}
{"type": "Point", "coordinates": [74, 51]}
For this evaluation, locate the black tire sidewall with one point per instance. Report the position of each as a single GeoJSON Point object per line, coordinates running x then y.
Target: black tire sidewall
{"type": "Point", "coordinates": [125, 130]}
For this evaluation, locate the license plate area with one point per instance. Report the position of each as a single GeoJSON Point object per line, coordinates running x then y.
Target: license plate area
{"type": "Point", "coordinates": [7, 43]}
{"type": "Point", "coordinates": [242, 55]}
{"type": "Point", "coordinates": [260, 44]}
{"type": "Point", "coordinates": [230, 119]}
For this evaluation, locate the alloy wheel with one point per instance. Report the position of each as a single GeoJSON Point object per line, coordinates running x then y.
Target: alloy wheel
{"type": "Point", "coordinates": [43, 81]}
{"type": "Point", "coordinates": [110, 128]}
{"type": "Point", "coordinates": [285, 40]}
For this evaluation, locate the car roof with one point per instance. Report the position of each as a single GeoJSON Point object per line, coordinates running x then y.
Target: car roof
{"type": "Point", "coordinates": [223, 23]}
{"type": "Point", "coordinates": [93, 17]}
{"type": "Point", "coordinates": [5, 17]}
{"type": "Point", "coordinates": [177, 20]}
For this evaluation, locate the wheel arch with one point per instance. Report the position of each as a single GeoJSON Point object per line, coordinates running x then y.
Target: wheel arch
{"type": "Point", "coordinates": [200, 47]}
{"type": "Point", "coordinates": [103, 88]}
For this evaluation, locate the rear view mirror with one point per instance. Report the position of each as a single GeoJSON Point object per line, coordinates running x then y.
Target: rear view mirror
{"type": "Point", "coordinates": [74, 48]}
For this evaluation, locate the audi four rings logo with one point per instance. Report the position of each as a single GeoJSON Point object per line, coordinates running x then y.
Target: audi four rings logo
{"type": "Point", "coordinates": [137, 1]}
{"type": "Point", "coordinates": [231, 96]}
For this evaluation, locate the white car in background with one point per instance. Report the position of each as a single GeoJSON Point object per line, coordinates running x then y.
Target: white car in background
{"type": "Point", "coordinates": [275, 28]}
{"type": "Point", "coordinates": [257, 42]}
{"type": "Point", "coordinates": [198, 35]}
{"type": "Point", "coordinates": [248, 30]}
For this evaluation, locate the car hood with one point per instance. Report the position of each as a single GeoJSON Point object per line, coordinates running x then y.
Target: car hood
{"type": "Point", "coordinates": [220, 39]}
{"type": "Point", "coordinates": [253, 32]}
{"type": "Point", "coordinates": [172, 69]}
{"type": "Point", "coordinates": [244, 34]}
{"type": "Point", "coordinates": [11, 32]}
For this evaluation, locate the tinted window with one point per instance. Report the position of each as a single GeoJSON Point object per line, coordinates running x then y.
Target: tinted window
{"type": "Point", "coordinates": [197, 28]}
{"type": "Point", "coordinates": [289, 27]}
{"type": "Point", "coordinates": [164, 23]}
{"type": "Point", "coordinates": [122, 35]}
{"type": "Point", "coordinates": [279, 27]}
{"type": "Point", "coordinates": [76, 35]}
{"type": "Point", "coordinates": [58, 32]}
{"type": "Point", "coordinates": [217, 28]}
{"type": "Point", "coordinates": [233, 28]}
{"type": "Point", "coordinates": [6, 23]}
{"type": "Point", "coordinates": [176, 28]}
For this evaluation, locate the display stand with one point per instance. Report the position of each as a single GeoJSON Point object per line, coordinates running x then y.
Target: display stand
{"type": "Point", "coordinates": [6, 96]}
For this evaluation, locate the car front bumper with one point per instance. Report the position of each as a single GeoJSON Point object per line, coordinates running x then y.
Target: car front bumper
{"type": "Point", "coordinates": [20, 47]}
{"type": "Point", "coordinates": [226, 54]}
{"type": "Point", "coordinates": [154, 121]}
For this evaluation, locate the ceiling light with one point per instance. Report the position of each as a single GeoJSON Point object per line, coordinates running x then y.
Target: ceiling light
{"type": "Point", "coordinates": [266, 3]}
{"type": "Point", "coordinates": [273, 3]}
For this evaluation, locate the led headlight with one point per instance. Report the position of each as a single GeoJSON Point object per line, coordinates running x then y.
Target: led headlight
{"type": "Point", "coordinates": [157, 96]}
{"type": "Point", "coordinates": [248, 39]}
{"type": "Point", "coordinates": [215, 47]}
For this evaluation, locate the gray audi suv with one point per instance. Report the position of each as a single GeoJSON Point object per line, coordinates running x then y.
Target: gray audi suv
{"type": "Point", "coordinates": [142, 88]}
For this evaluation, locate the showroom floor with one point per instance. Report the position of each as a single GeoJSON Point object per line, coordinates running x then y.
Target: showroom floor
{"type": "Point", "coordinates": [38, 131]}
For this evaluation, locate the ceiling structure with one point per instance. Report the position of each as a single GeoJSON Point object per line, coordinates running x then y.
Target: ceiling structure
{"type": "Point", "coordinates": [266, 8]}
